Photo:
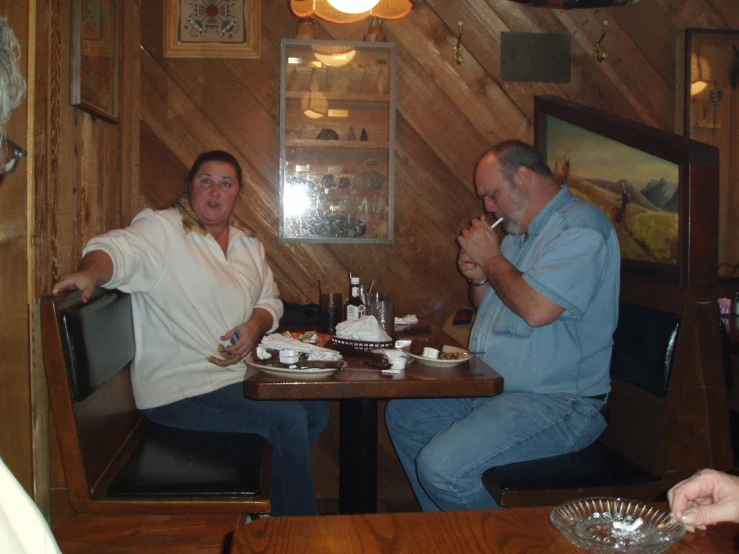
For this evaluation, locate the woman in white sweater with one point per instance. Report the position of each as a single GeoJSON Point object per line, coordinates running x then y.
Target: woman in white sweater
{"type": "Point", "coordinates": [195, 282]}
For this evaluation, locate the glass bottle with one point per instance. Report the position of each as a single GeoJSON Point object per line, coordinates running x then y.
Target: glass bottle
{"type": "Point", "coordinates": [355, 307]}
{"type": "Point", "coordinates": [735, 305]}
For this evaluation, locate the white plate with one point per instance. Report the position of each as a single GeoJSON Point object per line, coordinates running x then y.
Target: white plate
{"type": "Point", "coordinates": [602, 524]}
{"type": "Point", "coordinates": [310, 373]}
{"type": "Point", "coordinates": [441, 363]}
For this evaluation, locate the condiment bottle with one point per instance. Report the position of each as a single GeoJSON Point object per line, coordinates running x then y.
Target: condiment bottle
{"type": "Point", "coordinates": [354, 308]}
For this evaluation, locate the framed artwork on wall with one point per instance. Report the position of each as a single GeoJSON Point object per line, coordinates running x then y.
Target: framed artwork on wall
{"type": "Point", "coordinates": [659, 189]}
{"type": "Point", "coordinates": [212, 28]}
{"type": "Point", "coordinates": [710, 98]}
{"type": "Point", "coordinates": [95, 57]}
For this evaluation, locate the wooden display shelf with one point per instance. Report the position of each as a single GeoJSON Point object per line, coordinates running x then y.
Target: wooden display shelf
{"type": "Point", "coordinates": [345, 96]}
{"type": "Point", "coordinates": [315, 143]}
{"type": "Point", "coordinates": [349, 191]}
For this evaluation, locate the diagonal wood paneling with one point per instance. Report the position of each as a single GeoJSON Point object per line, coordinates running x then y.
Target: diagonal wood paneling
{"type": "Point", "coordinates": [447, 115]}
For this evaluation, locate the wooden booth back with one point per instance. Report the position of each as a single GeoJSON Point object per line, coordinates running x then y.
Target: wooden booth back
{"type": "Point", "coordinates": [114, 459]}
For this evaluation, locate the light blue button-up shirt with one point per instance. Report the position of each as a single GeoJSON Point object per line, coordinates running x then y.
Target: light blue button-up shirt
{"type": "Point", "coordinates": [570, 255]}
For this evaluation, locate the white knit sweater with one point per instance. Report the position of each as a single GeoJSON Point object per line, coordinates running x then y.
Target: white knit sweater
{"type": "Point", "coordinates": [186, 294]}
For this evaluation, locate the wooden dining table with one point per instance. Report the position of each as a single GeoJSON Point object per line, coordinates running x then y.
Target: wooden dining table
{"type": "Point", "coordinates": [358, 387]}
{"type": "Point", "coordinates": [511, 531]}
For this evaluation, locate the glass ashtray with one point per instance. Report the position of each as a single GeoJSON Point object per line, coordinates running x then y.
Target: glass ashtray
{"type": "Point", "coordinates": [601, 524]}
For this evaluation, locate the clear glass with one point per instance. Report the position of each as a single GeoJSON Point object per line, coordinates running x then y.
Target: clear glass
{"type": "Point", "coordinates": [337, 141]}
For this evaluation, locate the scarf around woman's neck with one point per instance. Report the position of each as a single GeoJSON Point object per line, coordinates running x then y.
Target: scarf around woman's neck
{"type": "Point", "coordinates": [191, 222]}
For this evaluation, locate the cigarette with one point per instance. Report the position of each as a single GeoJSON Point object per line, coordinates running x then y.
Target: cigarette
{"type": "Point", "coordinates": [494, 225]}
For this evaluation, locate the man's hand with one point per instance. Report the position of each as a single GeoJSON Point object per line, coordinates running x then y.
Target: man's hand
{"type": "Point", "coordinates": [480, 242]}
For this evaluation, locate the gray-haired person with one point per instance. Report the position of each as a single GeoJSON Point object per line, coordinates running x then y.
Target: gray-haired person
{"type": "Point", "coordinates": [12, 90]}
{"type": "Point", "coordinates": [23, 528]}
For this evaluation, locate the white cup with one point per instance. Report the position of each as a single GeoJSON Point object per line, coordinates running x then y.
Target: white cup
{"type": "Point", "coordinates": [289, 356]}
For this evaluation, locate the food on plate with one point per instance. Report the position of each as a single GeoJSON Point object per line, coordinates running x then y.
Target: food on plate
{"type": "Point", "coordinates": [271, 357]}
{"type": "Point", "coordinates": [378, 359]}
{"type": "Point", "coordinates": [428, 349]}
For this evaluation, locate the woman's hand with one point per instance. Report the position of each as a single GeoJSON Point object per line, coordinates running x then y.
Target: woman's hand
{"type": "Point", "coordinates": [706, 498]}
{"type": "Point", "coordinates": [259, 323]}
{"type": "Point", "coordinates": [96, 268]}
{"type": "Point", "coordinates": [80, 280]}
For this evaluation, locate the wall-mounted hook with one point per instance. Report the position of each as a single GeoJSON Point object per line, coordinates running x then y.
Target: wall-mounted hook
{"type": "Point", "coordinates": [598, 53]}
{"type": "Point", "coordinates": [459, 49]}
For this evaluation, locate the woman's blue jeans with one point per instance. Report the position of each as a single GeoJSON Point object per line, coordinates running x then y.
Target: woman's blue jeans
{"type": "Point", "coordinates": [292, 427]}
{"type": "Point", "coordinates": [445, 445]}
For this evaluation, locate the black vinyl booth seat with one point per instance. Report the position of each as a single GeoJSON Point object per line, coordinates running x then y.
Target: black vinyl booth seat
{"type": "Point", "coordinates": [115, 459]}
{"type": "Point", "coordinates": [643, 354]}
{"type": "Point", "coordinates": [174, 463]}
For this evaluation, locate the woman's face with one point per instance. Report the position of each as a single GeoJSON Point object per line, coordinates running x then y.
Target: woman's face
{"type": "Point", "coordinates": [213, 193]}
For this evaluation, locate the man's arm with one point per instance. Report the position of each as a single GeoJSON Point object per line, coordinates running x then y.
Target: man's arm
{"type": "Point", "coordinates": [520, 297]}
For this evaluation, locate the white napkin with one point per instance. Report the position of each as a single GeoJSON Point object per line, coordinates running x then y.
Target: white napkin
{"type": "Point", "coordinates": [365, 328]}
{"type": "Point", "coordinates": [410, 319]}
{"type": "Point", "coordinates": [317, 353]}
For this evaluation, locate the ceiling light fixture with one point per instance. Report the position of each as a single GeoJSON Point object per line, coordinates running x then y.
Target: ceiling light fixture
{"type": "Point", "coordinates": [700, 73]}
{"type": "Point", "coordinates": [332, 55]}
{"type": "Point", "coordinates": [345, 11]}
{"type": "Point", "coordinates": [353, 6]}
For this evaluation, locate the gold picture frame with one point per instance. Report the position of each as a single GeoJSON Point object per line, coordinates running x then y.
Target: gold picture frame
{"type": "Point", "coordinates": [212, 29]}
{"type": "Point", "coordinates": [95, 57]}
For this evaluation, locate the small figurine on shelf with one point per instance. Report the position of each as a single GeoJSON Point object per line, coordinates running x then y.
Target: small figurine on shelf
{"type": "Point", "coordinates": [381, 81]}
{"type": "Point", "coordinates": [350, 134]}
{"type": "Point", "coordinates": [364, 85]}
{"type": "Point", "coordinates": [363, 136]}
{"type": "Point", "coordinates": [327, 134]}
{"type": "Point", "coordinates": [294, 81]}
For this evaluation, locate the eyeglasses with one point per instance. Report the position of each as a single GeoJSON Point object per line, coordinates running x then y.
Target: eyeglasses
{"type": "Point", "coordinates": [11, 154]}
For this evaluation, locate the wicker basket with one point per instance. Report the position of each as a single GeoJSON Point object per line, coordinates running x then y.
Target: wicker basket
{"type": "Point", "coordinates": [350, 346]}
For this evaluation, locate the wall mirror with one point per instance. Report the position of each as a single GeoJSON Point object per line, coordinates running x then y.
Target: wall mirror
{"type": "Point", "coordinates": [711, 115]}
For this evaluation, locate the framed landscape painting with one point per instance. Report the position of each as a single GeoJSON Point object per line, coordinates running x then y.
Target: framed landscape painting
{"type": "Point", "coordinates": [659, 189]}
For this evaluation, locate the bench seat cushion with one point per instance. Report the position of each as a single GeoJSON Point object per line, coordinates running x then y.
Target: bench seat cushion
{"type": "Point", "coordinates": [175, 463]}
{"type": "Point", "coordinates": [597, 465]}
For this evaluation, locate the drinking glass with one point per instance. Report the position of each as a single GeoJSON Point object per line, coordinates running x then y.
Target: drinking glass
{"type": "Point", "coordinates": [332, 311]}
{"type": "Point", "coordinates": [380, 305]}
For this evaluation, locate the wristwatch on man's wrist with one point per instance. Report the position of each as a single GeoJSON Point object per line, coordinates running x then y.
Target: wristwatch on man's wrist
{"type": "Point", "coordinates": [478, 283]}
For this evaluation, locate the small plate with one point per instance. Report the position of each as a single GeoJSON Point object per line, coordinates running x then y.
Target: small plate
{"type": "Point", "coordinates": [441, 363]}
{"type": "Point", "coordinates": [302, 374]}
{"type": "Point", "coordinates": [601, 524]}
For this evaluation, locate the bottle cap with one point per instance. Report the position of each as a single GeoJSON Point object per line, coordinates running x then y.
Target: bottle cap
{"type": "Point", "coordinates": [355, 280]}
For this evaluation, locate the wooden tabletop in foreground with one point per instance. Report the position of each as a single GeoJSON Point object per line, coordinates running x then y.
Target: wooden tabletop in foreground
{"type": "Point", "coordinates": [513, 531]}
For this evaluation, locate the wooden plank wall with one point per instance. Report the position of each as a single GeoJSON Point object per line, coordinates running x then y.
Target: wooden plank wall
{"type": "Point", "coordinates": [85, 177]}
{"type": "Point", "coordinates": [87, 171]}
{"type": "Point", "coordinates": [447, 115]}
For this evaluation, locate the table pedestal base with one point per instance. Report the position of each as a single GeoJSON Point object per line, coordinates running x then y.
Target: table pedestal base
{"type": "Point", "coordinates": [358, 456]}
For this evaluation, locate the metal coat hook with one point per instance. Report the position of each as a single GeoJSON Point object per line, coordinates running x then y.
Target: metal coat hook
{"type": "Point", "coordinates": [598, 53]}
{"type": "Point", "coordinates": [459, 49]}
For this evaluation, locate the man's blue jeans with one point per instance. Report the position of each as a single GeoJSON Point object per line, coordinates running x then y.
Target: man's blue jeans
{"type": "Point", "coordinates": [445, 445]}
{"type": "Point", "coordinates": [292, 427]}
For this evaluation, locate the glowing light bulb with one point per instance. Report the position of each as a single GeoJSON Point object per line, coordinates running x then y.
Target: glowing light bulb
{"type": "Point", "coordinates": [353, 6]}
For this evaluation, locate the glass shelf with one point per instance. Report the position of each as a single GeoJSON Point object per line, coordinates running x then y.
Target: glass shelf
{"type": "Point", "coordinates": [337, 141]}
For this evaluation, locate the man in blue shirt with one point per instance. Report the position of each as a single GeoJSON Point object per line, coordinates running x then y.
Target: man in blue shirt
{"type": "Point", "coordinates": [547, 306]}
